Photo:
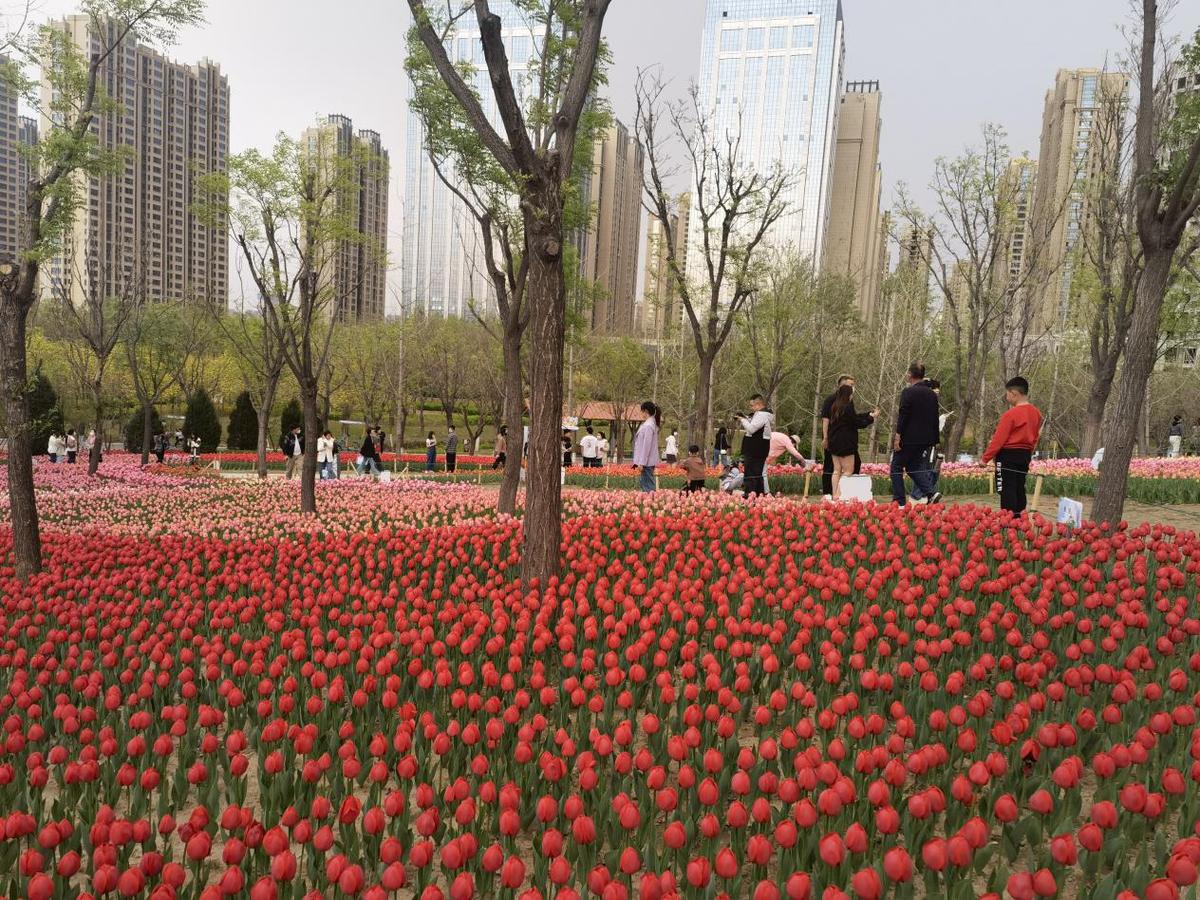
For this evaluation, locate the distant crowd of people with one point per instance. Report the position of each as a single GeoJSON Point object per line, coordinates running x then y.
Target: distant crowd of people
{"type": "Point", "coordinates": [915, 443]}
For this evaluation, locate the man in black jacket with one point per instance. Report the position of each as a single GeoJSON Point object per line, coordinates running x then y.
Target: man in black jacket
{"type": "Point", "coordinates": [916, 433]}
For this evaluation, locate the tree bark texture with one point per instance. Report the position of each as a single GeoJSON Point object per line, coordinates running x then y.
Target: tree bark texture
{"type": "Point", "coordinates": [308, 467]}
{"type": "Point", "coordinates": [147, 431]}
{"type": "Point", "coordinates": [1141, 350]}
{"type": "Point", "coordinates": [546, 296]}
{"type": "Point", "coordinates": [14, 382]}
{"type": "Point", "coordinates": [514, 407]}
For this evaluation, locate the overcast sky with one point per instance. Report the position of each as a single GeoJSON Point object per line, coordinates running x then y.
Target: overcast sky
{"type": "Point", "coordinates": [945, 66]}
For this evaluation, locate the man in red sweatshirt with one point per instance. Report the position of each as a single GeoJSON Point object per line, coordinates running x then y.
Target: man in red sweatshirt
{"type": "Point", "coordinates": [1013, 444]}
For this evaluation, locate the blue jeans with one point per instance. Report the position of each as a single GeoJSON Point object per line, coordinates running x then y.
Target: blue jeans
{"type": "Point", "coordinates": [914, 461]}
{"type": "Point", "coordinates": [430, 459]}
{"type": "Point", "coordinates": [326, 471]}
{"type": "Point", "coordinates": [647, 481]}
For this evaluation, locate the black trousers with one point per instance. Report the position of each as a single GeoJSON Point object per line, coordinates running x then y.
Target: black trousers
{"type": "Point", "coordinates": [694, 486]}
{"type": "Point", "coordinates": [1012, 466]}
{"type": "Point", "coordinates": [753, 471]}
{"type": "Point", "coordinates": [827, 471]}
{"type": "Point", "coordinates": [451, 462]}
{"type": "Point", "coordinates": [498, 463]}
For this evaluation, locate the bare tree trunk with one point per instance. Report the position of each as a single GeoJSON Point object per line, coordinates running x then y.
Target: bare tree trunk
{"type": "Point", "coordinates": [698, 427]}
{"type": "Point", "coordinates": [1141, 350]}
{"type": "Point", "coordinates": [98, 412]}
{"type": "Point", "coordinates": [1097, 403]}
{"type": "Point", "coordinates": [312, 428]}
{"type": "Point", "coordinates": [263, 414]}
{"type": "Point", "coordinates": [514, 404]}
{"type": "Point", "coordinates": [540, 558]}
{"type": "Point", "coordinates": [147, 431]}
{"type": "Point", "coordinates": [14, 382]}
{"type": "Point", "coordinates": [815, 442]}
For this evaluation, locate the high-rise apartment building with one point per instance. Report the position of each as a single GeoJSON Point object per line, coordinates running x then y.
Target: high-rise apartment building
{"type": "Point", "coordinates": [138, 226]}
{"type": "Point", "coordinates": [610, 254]}
{"type": "Point", "coordinates": [442, 270]}
{"type": "Point", "coordinates": [660, 312]}
{"type": "Point", "coordinates": [358, 275]}
{"type": "Point", "coordinates": [771, 73]}
{"type": "Point", "coordinates": [17, 134]}
{"type": "Point", "coordinates": [854, 243]}
{"type": "Point", "coordinates": [1068, 154]}
{"type": "Point", "coordinates": [1022, 173]}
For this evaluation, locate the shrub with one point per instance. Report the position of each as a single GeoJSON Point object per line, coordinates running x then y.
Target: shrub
{"type": "Point", "coordinates": [200, 419]}
{"type": "Point", "coordinates": [243, 424]}
{"type": "Point", "coordinates": [133, 429]}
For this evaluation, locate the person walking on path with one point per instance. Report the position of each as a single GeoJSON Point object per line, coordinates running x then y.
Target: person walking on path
{"type": "Point", "coordinates": [325, 455]}
{"type": "Point", "coordinates": [844, 424]}
{"type": "Point", "coordinates": [827, 461]}
{"type": "Point", "coordinates": [501, 448]}
{"type": "Point", "coordinates": [756, 444]}
{"type": "Point", "coordinates": [1013, 444]}
{"type": "Point", "coordinates": [369, 451]}
{"type": "Point", "coordinates": [602, 460]}
{"type": "Point", "coordinates": [430, 453]}
{"type": "Point", "coordinates": [193, 445]}
{"type": "Point", "coordinates": [916, 431]}
{"type": "Point", "coordinates": [451, 450]}
{"type": "Point", "coordinates": [589, 449]}
{"type": "Point", "coordinates": [645, 445]}
{"type": "Point", "coordinates": [720, 455]}
{"type": "Point", "coordinates": [693, 468]}
{"type": "Point", "coordinates": [671, 451]}
{"type": "Point", "coordinates": [1174, 438]}
{"type": "Point", "coordinates": [293, 448]}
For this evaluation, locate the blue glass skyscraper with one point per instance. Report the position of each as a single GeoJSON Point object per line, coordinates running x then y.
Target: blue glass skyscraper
{"type": "Point", "coordinates": [773, 71]}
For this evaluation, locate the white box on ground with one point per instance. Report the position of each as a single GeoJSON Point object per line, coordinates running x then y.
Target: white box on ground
{"type": "Point", "coordinates": [856, 487]}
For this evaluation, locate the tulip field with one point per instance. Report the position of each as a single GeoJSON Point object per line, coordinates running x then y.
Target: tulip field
{"type": "Point", "coordinates": [208, 695]}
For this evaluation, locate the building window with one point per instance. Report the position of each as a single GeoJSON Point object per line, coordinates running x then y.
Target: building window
{"type": "Point", "coordinates": [779, 37]}
{"type": "Point", "coordinates": [802, 37]}
{"type": "Point", "coordinates": [755, 38]}
{"type": "Point", "coordinates": [731, 40]}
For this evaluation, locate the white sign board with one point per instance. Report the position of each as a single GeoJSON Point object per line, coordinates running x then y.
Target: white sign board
{"type": "Point", "coordinates": [1070, 512]}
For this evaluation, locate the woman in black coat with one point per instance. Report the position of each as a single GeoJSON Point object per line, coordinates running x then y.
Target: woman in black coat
{"type": "Point", "coordinates": [844, 425]}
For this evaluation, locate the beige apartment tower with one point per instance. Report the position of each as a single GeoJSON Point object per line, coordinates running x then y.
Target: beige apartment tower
{"type": "Point", "coordinates": [661, 312]}
{"type": "Point", "coordinates": [1068, 154]}
{"type": "Point", "coordinates": [17, 135]}
{"type": "Point", "coordinates": [854, 242]}
{"type": "Point", "coordinates": [358, 276]}
{"type": "Point", "coordinates": [609, 254]}
{"type": "Point", "coordinates": [137, 229]}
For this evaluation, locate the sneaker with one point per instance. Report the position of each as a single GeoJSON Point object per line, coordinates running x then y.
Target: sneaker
{"type": "Point", "coordinates": [936, 498]}
{"type": "Point", "coordinates": [923, 501]}
{"type": "Point", "coordinates": [828, 498]}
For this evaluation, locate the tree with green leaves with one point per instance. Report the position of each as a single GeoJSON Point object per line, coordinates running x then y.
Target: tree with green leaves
{"type": "Point", "coordinates": [92, 325]}
{"type": "Point", "coordinates": [618, 371]}
{"type": "Point", "coordinates": [289, 216]}
{"type": "Point", "coordinates": [535, 149]}
{"type": "Point", "coordinates": [259, 355]}
{"type": "Point", "coordinates": [45, 412]}
{"type": "Point", "coordinates": [135, 437]}
{"type": "Point", "coordinates": [154, 337]}
{"type": "Point", "coordinates": [67, 149]}
{"type": "Point", "coordinates": [243, 424]}
{"type": "Point", "coordinates": [1166, 197]}
{"type": "Point", "coordinates": [734, 206]}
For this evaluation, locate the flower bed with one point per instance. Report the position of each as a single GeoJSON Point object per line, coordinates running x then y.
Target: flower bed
{"type": "Point", "coordinates": [718, 699]}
